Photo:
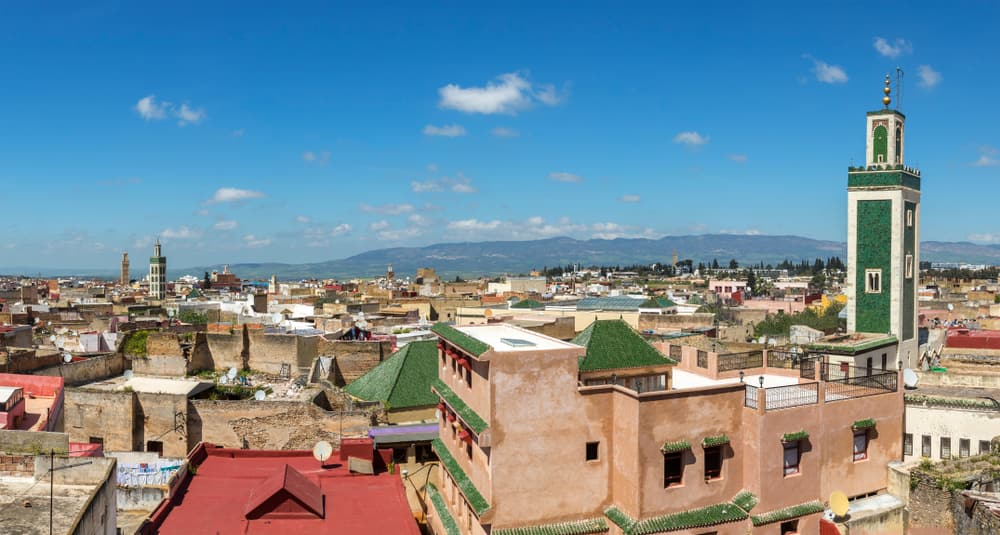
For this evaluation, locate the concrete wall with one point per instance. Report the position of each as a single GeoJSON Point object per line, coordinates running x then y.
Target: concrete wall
{"type": "Point", "coordinates": [224, 350]}
{"type": "Point", "coordinates": [353, 359]}
{"type": "Point", "coordinates": [972, 423]}
{"type": "Point", "coordinates": [109, 416]}
{"type": "Point", "coordinates": [161, 365]}
{"type": "Point", "coordinates": [13, 441]}
{"type": "Point", "coordinates": [28, 360]}
{"type": "Point", "coordinates": [673, 322]}
{"type": "Point", "coordinates": [87, 371]}
{"type": "Point", "coordinates": [162, 418]}
{"type": "Point", "coordinates": [17, 465]}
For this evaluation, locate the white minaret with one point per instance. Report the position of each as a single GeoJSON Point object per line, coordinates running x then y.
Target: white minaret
{"type": "Point", "coordinates": [157, 273]}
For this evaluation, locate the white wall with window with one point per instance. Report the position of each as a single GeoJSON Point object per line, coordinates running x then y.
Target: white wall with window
{"type": "Point", "coordinates": [940, 431]}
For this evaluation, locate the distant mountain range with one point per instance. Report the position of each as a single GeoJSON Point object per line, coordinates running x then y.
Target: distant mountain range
{"type": "Point", "coordinates": [496, 257]}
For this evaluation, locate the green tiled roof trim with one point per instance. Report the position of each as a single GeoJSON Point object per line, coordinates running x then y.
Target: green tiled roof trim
{"type": "Point", "coordinates": [680, 445]}
{"type": "Point", "coordinates": [460, 339]}
{"type": "Point", "coordinates": [788, 513]}
{"type": "Point", "coordinates": [579, 527]}
{"type": "Point", "coordinates": [863, 424]}
{"type": "Point", "coordinates": [708, 442]}
{"type": "Point", "coordinates": [527, 303]}
{"type": "Point", "coordinates": [465, 412]}
{"type": "Point", "coordinates": [745, 500]}
{"type": "Point", "coordinates": [712, 515]}
{"type": "Point", "coordinates": [792, 437]}
{"type": "Point", "coordinates": [403, 380]}
{"type": "Point", "coordinates": [854, 348]}
{"type": "Point", "coordinates": [448, 521]}
{"type": "Point", "coordinates": [963, 403]}
{"type": "Point", "coordinates": [695, 300]}
{"type": "Point", "coordinates": [472, 495]}
{"type": "Point", "coordinates": [657, 302]}
{"type": "Point", "coordinates": [862, 179]}
{"type": "Point", "coordinates": [613, 344]}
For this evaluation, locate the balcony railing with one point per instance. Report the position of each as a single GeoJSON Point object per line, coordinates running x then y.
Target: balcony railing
{"type": "Point", "coordinates": [740, 361]}
{"type": "Point", "coordinates": [783, 397]}
{"type": "Point", "coordinates": [861, 385]}
{"type": "Point", "coordinates": [750, 398]}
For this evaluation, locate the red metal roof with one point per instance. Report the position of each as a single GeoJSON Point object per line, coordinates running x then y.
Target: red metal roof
{"type": "Point", "coordinates": [234, 491]}
{"type": "Point", "coordinates": [960, 337]}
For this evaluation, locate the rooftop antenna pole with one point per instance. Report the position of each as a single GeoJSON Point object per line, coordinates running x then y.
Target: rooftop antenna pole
{"type": "Point", "coordinates": [899, 89]}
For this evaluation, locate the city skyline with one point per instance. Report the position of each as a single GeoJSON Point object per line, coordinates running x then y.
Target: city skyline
{"type": "Point", "coordinates": [242, 135]}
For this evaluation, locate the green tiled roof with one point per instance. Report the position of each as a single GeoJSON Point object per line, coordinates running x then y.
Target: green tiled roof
{"type": "Point", "coordinates": [680, 445]}
{"type": "Point", "coordinates": [864, 424]}
{"type": "Point", "coordinates": [792, 437]}
{"type": "Point", "coordinates": [657, 302]}
{"type": "Point", "coordinates": [472, 495]}
{"type": "Point", "coordinates": [460, 339]}
{"type": "Point", "coordinates": [448, 521]}
{"type": "Point", "coordinates": [695, 300]}
{"type": "Point", "coordinates": [788, 513]}
{"type": "Point", "coordinates": [708, 442]}
{"type": "Point", "coordinates": [853, 349]}
{"type": "Point", "coordinates": [465, 412]}
{"type": "Point", "coordinates": [403, 380]}
{"type": "Point", "coordinates": [612, 344]}
{"type": "Point", "coordinates": [696, 518]}
{"type": "Point", "coordinates": [579, 527]}
{"type": "Point", "coordinates": [527, 303]}
{"type": "Point", "coordinates": [745, 500]}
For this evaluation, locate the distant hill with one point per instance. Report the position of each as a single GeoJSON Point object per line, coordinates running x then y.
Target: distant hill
{"type": "Point", "coordinates": [477, 258]}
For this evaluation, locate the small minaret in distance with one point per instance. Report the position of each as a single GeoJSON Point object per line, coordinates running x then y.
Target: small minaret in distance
{"type": "Point", "coordinates": [123, 278]}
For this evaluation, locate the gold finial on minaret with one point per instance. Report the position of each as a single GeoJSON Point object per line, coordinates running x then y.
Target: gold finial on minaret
{"type": "Point", "coordinates": [886, 100]}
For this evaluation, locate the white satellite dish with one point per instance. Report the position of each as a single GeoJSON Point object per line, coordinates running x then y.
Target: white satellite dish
{"type": "Point", "coordinates": [910, 378]}
{"type": "Point", "coordinates": [223, 380]}
{"type": "Point", "coordinates": [259, 395]}
{"type": "Point", "coordinates": [52, 338]}
{"type": "Point", "coordinates": [128, 374]}
{"type": "Point", "coordinates": [67, 357]}
{"type": "Point", "coordinates": [231, 373]}
{"type": "Point", "coordinates": [322, 451]}
{"type": "Point", "coordinates": [951, 307]}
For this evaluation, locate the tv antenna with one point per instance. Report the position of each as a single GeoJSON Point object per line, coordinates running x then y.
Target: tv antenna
{"type": "Point", "coordinates": [899, 89]}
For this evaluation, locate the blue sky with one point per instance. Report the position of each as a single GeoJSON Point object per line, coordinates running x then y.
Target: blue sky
{"type": "Point", "coordinates": [303, 132]}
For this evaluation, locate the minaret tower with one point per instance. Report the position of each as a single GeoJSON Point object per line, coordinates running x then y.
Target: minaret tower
{"type": "Point", "coordinates": [157, 273]}
{"type": "Point", "coordinates": [123, 279]}
{"type": "Point", "coordinates": [883, 235]}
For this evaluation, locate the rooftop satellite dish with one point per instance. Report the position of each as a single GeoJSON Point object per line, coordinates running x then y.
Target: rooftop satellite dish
{"type": "Point", "coordinates": [910, 378]}
{"type": "Point", "coordinates": [322, 451]}
{"type": "Point", "coordinates": [52, 338]}
{"type": "Point", "coordinates": [259, 395]}
{"type": "Point", "coordinates": [951, 307]}
{"type": "Point", "coordinates": [231, 373]}
{"type": "Point", "coordinates": [838, 503]}
{"type": "Point", "coordinates": [67, 357]}
{"type": "Point", "coordinates": [223, 380]}
{"type": "Point", "coordinates": [128, 374]}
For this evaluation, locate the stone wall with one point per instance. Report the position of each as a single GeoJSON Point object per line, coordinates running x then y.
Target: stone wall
{"type": "Point", "coordinates": [270, 424]}
{"type": "Point", "coordinates": [673, 322]}
{"type": "Point", "coordinates": [163, 344]}
{"type": "Point", "coordinates": [224, 350]}
{"type": "Point", "coordinates": [162, 365]}
{"type": "Point", "coordinates": [28, 360]}
{"type": "Point", "coordinates": [15, 441]}
{"type": "Point", "coordinates": [354, 359]}
{"type": "Point", "coordinates": [267, 352]}
{"type": "Point", "coordinates": [17, 465]}
{"type": "Point", "coordinates": [87, 371]}
{"type": "Point", "coordinates": [109, 416]}
{"type": "Point", "coordinates": [563, 328]}
{"type": "Point", "coordinates": [162, 418]}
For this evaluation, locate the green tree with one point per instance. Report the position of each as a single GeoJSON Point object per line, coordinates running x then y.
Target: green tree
{"type": "Point", "coordinates": [193, 317]}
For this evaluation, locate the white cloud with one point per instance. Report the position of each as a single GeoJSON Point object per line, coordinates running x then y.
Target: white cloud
{"type": "Point", "coordinates": [987, 157]}
{"type": "Point", "coordinates": [509, 93]}
{"type": "Point", "coordinates": [826, 73]}
{"type": "Point", "coordinates": [894, 49]}
{"type": "Point", "coordinates": [302, 219]}
{"type": "Point", "coordinates": [630, 198]}
{"type": "Point", "coordinates": [459, 184]}
{"type": "Point", "coordinates": [398, 234]}
{"type": "Point", "coordinates": [432, 168]}
{"type": "Point", "coordinates": [985, 237]}
{"type": "Point", "coordinates": [428, 185]}
{"type": "Point", "coordinates": [234, 195]}
{"type": "Point", "coordinates": [745, 232]}
{"type": "Point", "coordinates": [536, 220]}
{"type": "Point", "coordinates": [225, 225]}
{"type": "Point", "coordinates": [928, 76]}
{"type": "Point", "coordinates": [321, 157]}
{"type": "Point", "coordinates": [451, 130]}
{"type": "Point", "coordinates": [473, 224]}
{"type": "Point", "coordinates": [560, 176]}
{"type": "Point", "coordinates": [379, 225]}
{"type": "Point", "coordinates": [419, 220]}
{"type": "Point", "coordinates": [202, 212]}
{"type": "Point", "coordinates": [738, 158]}
{"type": "Point", "coordinates": [536, 227]}
{"type": "Point", "coordinates": [691, 139]}
{"type": "Point", "coordinates": [387, 209]}
{"type": "Point", "coordinates": [502, 131]}
{"type": "Point", "coordinates": [149, 109]}
{"type": "Point", "coordinates": [188, 115]}
{"type": "Point", "coordinates": [182, 232]}
{"type": "Point", "coordinates": [254, 242]}
{"type": "Point", "coordinates": [340, 229]}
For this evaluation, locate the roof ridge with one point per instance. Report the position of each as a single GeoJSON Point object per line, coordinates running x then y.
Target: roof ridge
{"type": "Point", "coordinates": [404, 353]}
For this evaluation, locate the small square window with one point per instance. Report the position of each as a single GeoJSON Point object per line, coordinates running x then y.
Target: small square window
{"type": "Point", "coordinates": [908, 444]}
{"type": "Point", "coordinates": [713, 463]}
{"type": "Point", "coordinates": [673, 469]}
{"type": "Point", "coordinates": [860, 444]}
{"type": "Point", "coordinates": [593, 449]}
{"type": "Point", "coordinates": [791, 458]}
{"type": "Point", "coordinates": [873, 281]}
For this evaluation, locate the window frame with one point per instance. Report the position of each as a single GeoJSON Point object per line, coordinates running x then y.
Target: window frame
{"type": "Point", "coordinates": [909, 267]}
{"type": "Point", "coordinates": [670, 476]}
{"type": "Point", "coordinates": [926, 445]}
{"type": "Point", "coordinates": [908, 444]}
{"type": "Point", "coordinates": [945, 441]}
{"type": "Point", "coordinates": [596, 445]}
{"type": "Point", "coordinates": [988, 445]}
{"type": "Point", "coordinates": [868, 280]}
{"type": "Point", "coordinates": [909, 218]}
{"type": "Point", "coordinates": [863, 454]}
{"type": "Point", "coordinates": [964, 448]}
{"type": "Point", "coordinates": [789, 527]}
{"type": "Point", "coordinates": [716, 473]}
{"type": "Point", "coordinates": [797, 467]}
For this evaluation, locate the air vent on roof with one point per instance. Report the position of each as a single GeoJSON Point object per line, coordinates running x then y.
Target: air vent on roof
{"type": "Point", "coordinates": [517, 342]}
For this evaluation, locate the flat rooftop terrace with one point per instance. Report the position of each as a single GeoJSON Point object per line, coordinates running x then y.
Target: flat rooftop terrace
{"type": "Point", "coordinates": [505, 338]}
{"type": "Point", "coordinates": [153, 385]}
{"type": "Point", "coordinates": [68, 502]}
{"type": "Point", "coordinates": [684, 379]}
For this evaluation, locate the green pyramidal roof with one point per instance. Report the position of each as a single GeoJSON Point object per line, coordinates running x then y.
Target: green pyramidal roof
{"type": "Point", "coordinates": [527, 303]}
{"type": "Point", "coordinates": [657, 302]}
{"type": "Point", "coordinates": [612, 344]}
{"type": "Point", "coordinates": [404, 379]}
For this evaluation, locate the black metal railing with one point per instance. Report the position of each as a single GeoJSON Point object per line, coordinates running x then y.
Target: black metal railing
{"type": "Point", "coordinates": [783, 397]}
{"type": "Point", "coordinates": [740, 361]}
{"type": "Point", "coordinates": [702, 359]}
{"type": "Point", "coordinates": [861, 385]}
{"type": "Point", "coordinates": [807, 367]}
{"type": "Point", "coordinates": [832, 371]}
{"type": "Point", "coordinates": [782, 359]}
{"type": "Point", "coordinates": [750, 398]}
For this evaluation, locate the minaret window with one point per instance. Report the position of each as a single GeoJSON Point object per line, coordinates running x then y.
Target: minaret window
{"type": "Point", "coordinates": [909, 218]}
{"type": "Point", "coordinates": [909, 266]}
{"type": "Point", "coordinates": [880, 143]}
{"type": "Point", "coordinates": [873, 281]}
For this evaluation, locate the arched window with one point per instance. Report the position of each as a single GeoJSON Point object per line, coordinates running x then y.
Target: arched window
{"type": "Point", "coordinates": [880, 144]}
{"type": "Point", "coordinates": [899, 144]}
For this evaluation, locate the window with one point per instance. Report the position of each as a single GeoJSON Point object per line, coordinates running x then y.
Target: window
{"type": "Point", "coordinates": [154, 446]}
{"type": "Point", "coordinates": [908, 444]}
{"type": "Point", "coordinates": [873, 281]}
{"type": "Point", "coordinates": [97, 440]}
{"type": "Point", "coordinates": [399, 455]}
{"type": "Point", "coordinates": [860, 444]}
{"type": "Point", "coordinates": [468, 451]}
{"type": "Point", "coordinates": [984, 447]}
{"type": "Point", "coordinates": [425, 454]}
{"type": "Point", "coordinates": [790, 527]}
{"type": "Point", "coordinates": [468, 377]}
{"type": "Point", "coordinates": [909, 266]}
{"type": "Point", "coordinates": [885, 361]}
{"type": "Point", "coordinates": [946, 447]}
{"type": "Point", "coordinates": [791, 458]}
{"type": "Point", "coordinates": [868, 367]}
{"type": "Point", "coordinates": [713, 462]}
{"type": "Point", "coordinates": [675, 353]}
{"type": "Point", "coordinates": [909, 218]}
{"type": "Point", "coordinates": [593, 448]}
{"type": "Point", "coordinates": [963, 447]}
{"type": "Point", "coordinates": [702, 359]}
{"type": "Point", "coordinates": [673, 469]}
{"type": "Point", "coordinates": [925, 446]}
